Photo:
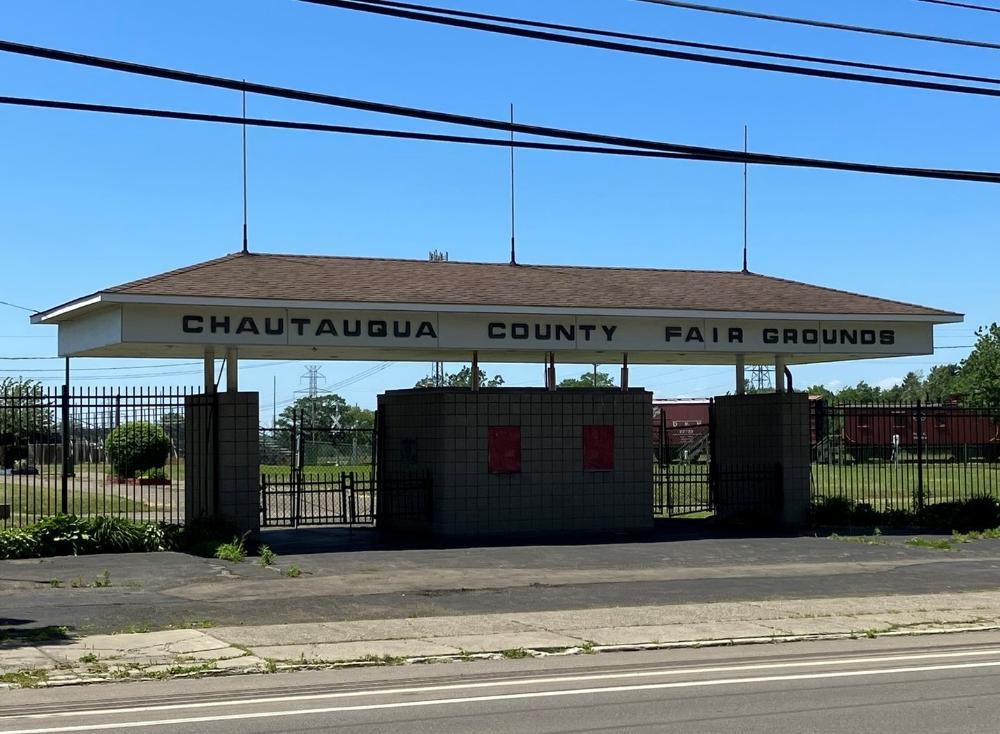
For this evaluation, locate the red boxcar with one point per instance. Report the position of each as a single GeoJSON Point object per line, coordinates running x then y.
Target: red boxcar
{"type": "Point", "coordinates": [871, 431]}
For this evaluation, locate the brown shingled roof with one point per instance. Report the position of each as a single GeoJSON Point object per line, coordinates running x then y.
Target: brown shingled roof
{"type": "Point", "coordinates": [376, 280]}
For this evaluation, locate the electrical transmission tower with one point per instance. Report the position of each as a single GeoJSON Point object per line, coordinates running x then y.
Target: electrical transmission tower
{"type": "Point", "coordinates": [759, 378]}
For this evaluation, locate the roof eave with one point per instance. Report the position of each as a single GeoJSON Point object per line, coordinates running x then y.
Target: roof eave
{"type": "Point", "coordinates": [74, 309]}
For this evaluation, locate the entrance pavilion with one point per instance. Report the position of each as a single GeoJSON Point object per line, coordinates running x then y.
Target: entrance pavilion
{"type": "Point", "coordinates": [533, 454]}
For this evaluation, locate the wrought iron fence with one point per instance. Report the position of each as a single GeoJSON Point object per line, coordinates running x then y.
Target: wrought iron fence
{"type": "Point", "coordinates": [681, 469]}
{"type": "Point", "coordinates": [315, 475]}
{"type": "Point", "coordinates": [904, 456]}
{"type": "Point", "coordinates": [54, 458]}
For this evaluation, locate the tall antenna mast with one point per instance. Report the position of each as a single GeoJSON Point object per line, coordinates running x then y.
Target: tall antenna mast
{"type": "Point", "coordinates": [246, 246]}
{"type": "Point", "coordinates": [513, 250]}
{"type": "Point", "coordinates": [745, 150]}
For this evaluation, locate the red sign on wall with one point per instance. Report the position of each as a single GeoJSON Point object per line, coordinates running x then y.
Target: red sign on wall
{"type": "Point", "coordinates": [598, 448]}
{"type": "Point", "coordinates": [504, 450]}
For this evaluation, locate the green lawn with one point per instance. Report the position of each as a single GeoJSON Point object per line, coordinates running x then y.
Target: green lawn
{"type": "Point", "coordinates": [888, 485]}
{"type": "Point", "coordinates": [30, 503]}
{"type": "Point", "coordinates": [313, 470]}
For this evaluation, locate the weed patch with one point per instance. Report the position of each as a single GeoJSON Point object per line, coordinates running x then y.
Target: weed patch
{"type": "Point", "coordinates": [936, 543]}
{"type": "Point", "coordinates": [25, 678]}
{"type": "Point", "coordinates": [266, 556]}
{"type": "Point", "coordinates": [234, 551]}
{"type": "Point", "coordinates": [293, 572]}
{"type": "Point", "coordinates": [515, 653]}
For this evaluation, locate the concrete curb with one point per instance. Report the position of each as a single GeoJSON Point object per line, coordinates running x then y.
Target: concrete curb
{"type": "Point", "coordinates": [259, 666]}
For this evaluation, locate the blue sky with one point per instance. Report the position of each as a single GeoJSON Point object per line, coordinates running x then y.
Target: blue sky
{"type": "Point", "coordinates": [88, 201]}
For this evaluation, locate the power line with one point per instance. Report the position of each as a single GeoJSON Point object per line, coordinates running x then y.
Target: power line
{"type": "Point", "coordinates": [965, 6]}
{"type": "Point", "coordinates": [343, 129]}
{"type": "Point", "coordinates": [676, 42]}
{"type": "Point", "coordinates": [22, 308]}
{"type": "Point", "coordinates": [367, 7]}
{"type": "Point", "coordinates": [647, 148]}
{"type": "Point", "coordinates": [825, 24]}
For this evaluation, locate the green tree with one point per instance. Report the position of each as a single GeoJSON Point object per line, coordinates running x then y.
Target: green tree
{"type": "Point", "coordinates": [820, 391]}
{"type": "Point", "coordinates": [943, 383]}
{"type": "Point", "coordinates": [323, 412]}
{"type": "Point", "coordinates": [25, 417]}
{"type": "Point", "coordinates": [980, 372]}
{"type": "Point", "coordinates": [589, 379]}
{"type": "Point", "coordinates": [462, 378]}
{"type": "Point", "coordinates": [860, 393]}
{"type": "Point", "coordinates": [909, 390]}
{"type": "Point", "coordinates": [326, 412]}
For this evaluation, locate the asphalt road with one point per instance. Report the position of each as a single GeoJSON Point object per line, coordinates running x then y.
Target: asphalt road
{"type": "Point", "coordinates": [933, 684]}
{"type": "Point", "coordinates": [344, 579]}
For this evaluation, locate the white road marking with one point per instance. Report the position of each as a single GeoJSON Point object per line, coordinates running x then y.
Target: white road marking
{"type": "Point", "coordinates": [505, 697]}
{"type": "Point", "coordinates": [876, 659]}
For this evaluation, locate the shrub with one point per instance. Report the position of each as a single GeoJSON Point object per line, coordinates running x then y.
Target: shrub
{"type": "Point", "coordinates": [833, 511]}
{"type": "Point", "coordinates": [70, 535]}
{"type": "Point", "coordinates": [137, 447]}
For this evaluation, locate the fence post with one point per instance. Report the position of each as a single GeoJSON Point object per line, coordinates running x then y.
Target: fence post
{"type": "Point", "coordinates": [64, 410]}
{"type": "Point", "coordinates": [920, 455]}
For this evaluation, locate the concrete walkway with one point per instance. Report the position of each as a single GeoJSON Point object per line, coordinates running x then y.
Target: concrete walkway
{"type": "Point", "coordinates": [269, 648]}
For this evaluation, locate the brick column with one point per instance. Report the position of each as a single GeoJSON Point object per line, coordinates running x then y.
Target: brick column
{"type": "Point", "coordinates": [222, 462]}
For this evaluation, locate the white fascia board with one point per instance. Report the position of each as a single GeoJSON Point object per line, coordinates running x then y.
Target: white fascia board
{"type": "Point", "coordinates": [540, 310]}
{"type": "Point", "coordinates": [59, 313]}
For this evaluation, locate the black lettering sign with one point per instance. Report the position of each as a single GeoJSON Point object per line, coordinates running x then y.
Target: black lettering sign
{"type": "Point", "coordinates": [770, 336]}
{"type": "Point", "coordinates": [587, 329]}
{"type": "Point", "coordinates": [496, 330]}
{"type": "Point", "coordinates": [426, 328]}
{"type": "Point", "coordinates": [810, 336]}
{"type": "Point", "coordinates": [216, 324]}
{"type": "Point", "coordinates": [377, 329]}
{"type": "Point", "coordinates": [565, 333]}
{"type": "Point", "coordinates": [301, 325]}
{"type": "Point", "coordinates": [326, 327]}
{"type": "Point", "coordinates": [735, 336]}
{"type": "Point", "coordinates": [790, 336]}
{"type": "Point", "coordinates": [887, 337]}
{"type": "Point", "coordinates": [868, 337]}
{"type": "Point", "coordinates": [541, 335]}
{"type": "Point", "coordinates": [275, 330]}
{"type": "Point", "coordinates": [192, 324]}
{"type": "Point", "coordinates": [247, 324]}
{"type": "Point", "coordinates": [609, 332]}
{"type": "Point", "coordinates": [848, 336]}
{"type": "Point", "coordinates": [356, 331]}
{"type": "Point", "coordinates": [518, 331]}
{"type": "Point", "coordinates": [400, 329]}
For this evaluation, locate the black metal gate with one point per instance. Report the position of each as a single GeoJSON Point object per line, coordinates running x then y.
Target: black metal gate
{"type": "Point", "coordinates": [682, 467]}
{"type": "Point", "coordinates": [317, 475]}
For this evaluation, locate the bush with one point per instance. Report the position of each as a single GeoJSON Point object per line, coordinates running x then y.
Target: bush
{"type": "Point", "coordinates": [70, 535]}
{"type": "Point", "coordinates": [833, 511]}
{"type": "Point", "coordinates": [136, 447]}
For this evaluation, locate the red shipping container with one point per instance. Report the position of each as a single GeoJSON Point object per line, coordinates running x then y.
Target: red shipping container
{"type": "Point", "coordinates": [504, 450]}
{"type": "Point", "coordinates": [598, 448]}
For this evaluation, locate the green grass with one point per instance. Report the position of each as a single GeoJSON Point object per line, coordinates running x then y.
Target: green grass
{"type": "Point", "coordinates": [44, 499]}
{"type": "Point", "coordinates": [233, 552]}
{"type": "Point", "coordinates": [886, 485]}
{"type": "Point", "coordinates": [936, 543]}
{"type": "Point", "coordinates": [25, 678]}
{"type": "Point", "coordinates": [515, 653]}
{"type": "Point", "coordinates": [266, 556]}
{"type": "Point", "coordinates": [311, 470]}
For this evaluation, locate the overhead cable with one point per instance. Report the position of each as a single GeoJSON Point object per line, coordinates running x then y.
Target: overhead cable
{"type": "Point", "coordinates": [367, 6]}
{"type": "Point", "coordinates": [677, 42]}
{"type": "Point", "coordinates": [964, 6]}
{"type": "Point", "coordinates": [825, 24]}
{"type": "Point", "coordinates": [718, 155]}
